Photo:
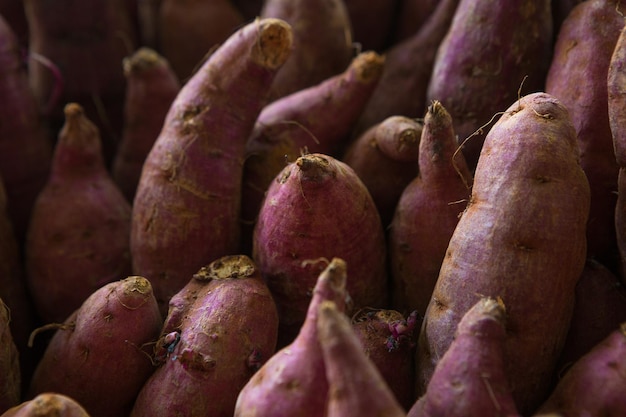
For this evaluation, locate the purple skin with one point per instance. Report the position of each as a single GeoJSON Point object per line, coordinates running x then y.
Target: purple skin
{"type": "Point", "coordinates": [151, 87]}
{"type": "Point", "coordinates": [427, 213]}
{"type": "Point", "coordinates": [578, 77]}
{"type": "Point", "coordinates": [207, 126]}
{"type": "Point", "coordinates": [78, 237]}
{"type": "Point", "coordinates": [408, 68]}
{"type": "Point", "coordinates": [355, 385]}
{"type": "Point", "coordinates": [210, 336]}
{"type": "Point", "coordinates": [478, 73]}
{"type": "Point", "coordinates": [595, 384]}
{"type": "Point", "coordinates": [616, 96]}
{"type": "Point", "coordinates": [87, 42]}
{"type": "Point", "coordinates": [385, 157]}
{"type": "Point", "coordinates": [388, 339]}
{"type": "Point", "coordinates": [293, 381]}
{"type": "Point", "coordinates": [99, 356]}
{"type": "Point", "coordinates": [25, 148]}
{"type": "Point", "coordinates": [315, 209]}
{"type": "Point", "coordinates": [599, 309]}
{"type": "Point", "coordinates": [298, 123]}
{"type": "Point", "coordinates": [322, 42]}
{"type": "Point", "coordinates": [521, 238]}
{"type": "Point", "coordinates": [470, 379]}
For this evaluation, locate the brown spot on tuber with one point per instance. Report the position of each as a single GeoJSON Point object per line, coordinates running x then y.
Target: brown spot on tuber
{"type": "Point", "coordinates": [368, 66]}
{"type": "Point", "coordinates": [275, 40]}
{"type": "Point", "coordinates": [235, 266]}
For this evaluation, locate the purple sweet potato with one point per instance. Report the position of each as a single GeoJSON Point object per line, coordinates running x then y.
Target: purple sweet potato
{"type": "Point", "coordinates": [427, 213]}
{"type": "Point", "coordinates": [599, 309]}
{"type": "Point", "coordinates": [470, 379]}
{"type": "Point", "coordinates": [78, 236]}
{"type": "Point", "coordinates": [25, 148]}
{"type": "Point", "coordinates": [388, 339]}
{"type": "Point", "coordinates": [408, 67]}
{"type": "Point", "coordinates": [85, 43]}
{"type": "Point", "coordinates": [225, 324]}
{"type": "Point", "coordinates": [385, 157]}
{"type": "Point", "coordinates": [318, 208]}
{"type": "Point", "coordinates": [299, 121]}
{"type": "Point", "coordinates": [48, 404]}
{"type": "Point", "coordinates": [293, 381]}
{"type": "Point", "coordinates": [14, 291]}
{"type": "Point", "coordinates": [595, 384]}
{"type": "Point", "coordinates": [186, 210]}
{"type": "Point", "coordinates": [151, 87]}
{"type": "Point", "coordinates": [190, 29]}
{"type": "Point", "coordinates": [355, 385]}
{"type": "Point", "coordinates": [99, 355]}
{"type": "Point", "coordinates": [521, 238]}
{"type": "Point", "coordinates": [578, 78]}
{"type": "Point", "coordinates": [491, 51]}
{"type": "Point", "coordinates": [11, 377]}
{"type": "Point", "coordinates": [616, 96]}
{"type": "Point", "coordinates": [322, 42]}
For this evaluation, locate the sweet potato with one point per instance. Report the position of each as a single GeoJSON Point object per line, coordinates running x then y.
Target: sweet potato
{"type": "Point", "coordinates": [225, 325]}
{"type": "Point", "coordinates": [385, 157]}
{"type": "Point", "coordinates": [151, 87]}
{"type": "Point", "coordinates": [293, 381]}
{"type": "Point", "coordinates": [85, 42]}
{"type": "Point", "coordinates": [25, 149]}
{"type": "Point", "coordinates": [48, 404]}
{"type": "Point", "coordinates": [470, 379]}
{"type": "Point", "coordinates": [408, 68]}
{"type": "Point", "coordinates": [427, 213]}
{"type": "Point", "coordinates": [190, 29]}
{"type": "Point", "coordinates": [78, 236]}
{"type": "Point", "coordinates": [521, 238]}
{"type": "Point", "coordinates": [318, 208]}
{"type": "Point", "coordinates": [616, 97]}
{"type": "Point", "coordinates": [187, 204]}
{"type": "Point", "coordinates": [595, 384]}
{"type": "Point", "coordinates": [14, 292]}
{"type": "Point", "coordinates": [99, 355]}
{"type": "Point", "coordinates": [11, 379]}
{"type": "Point", "coordinates": [599, 309]}
{"type": "Point", "coordinates": [322, 42]}
{"type": "Point", "coordinates": [578, 78]}
{"type": "Point", "coordinates": [299, 121]}
{"type": "Point", "coordinates": [388, 340]}
{"type": "Point", "coordinates": [355, 385]}
{"type": "Point", "coordinates": [481, 67]}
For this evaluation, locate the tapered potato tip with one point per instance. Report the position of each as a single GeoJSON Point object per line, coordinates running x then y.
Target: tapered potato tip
{"type": "Point", "coordinates": [274, 44]}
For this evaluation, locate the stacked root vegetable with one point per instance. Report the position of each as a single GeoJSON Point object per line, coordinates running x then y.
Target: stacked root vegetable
{"type": "Point", "coordinates": [312, 207]}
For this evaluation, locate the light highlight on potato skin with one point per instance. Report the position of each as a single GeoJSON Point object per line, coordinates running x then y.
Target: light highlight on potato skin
{"type": "Point", "coordinates": [521, 238]}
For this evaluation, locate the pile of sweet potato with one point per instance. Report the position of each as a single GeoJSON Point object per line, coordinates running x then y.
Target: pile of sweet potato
{"type": "Point", "coordinates": [318, 208]}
